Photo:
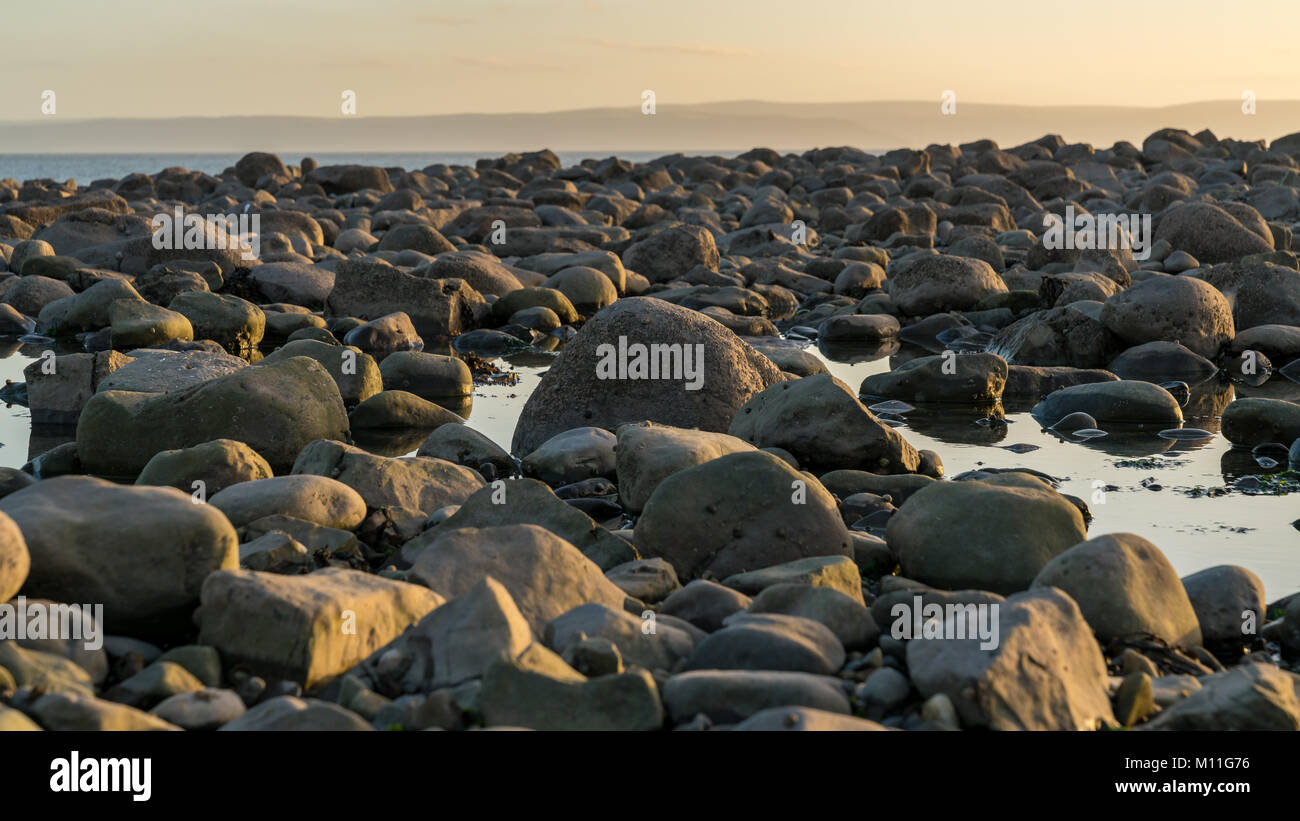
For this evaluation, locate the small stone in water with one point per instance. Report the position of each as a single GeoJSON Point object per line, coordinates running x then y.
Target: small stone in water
{"type": "Point", "coordinates": [890, 406]}
{"type": "Point", "coordinates": [1075, 421]}
{"type": "Point", "coordinates": [1266, 463]}
{"type": "Point", "coordinates": [1185, 433]}
{"type": "Point", "coordinates": [1180, 391]}
{"type": "Point", "coordinates": [1020, 447]}
{"type": "Point", "coordinates": [1090, 433]}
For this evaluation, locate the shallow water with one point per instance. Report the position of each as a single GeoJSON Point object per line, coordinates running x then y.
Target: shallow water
{"type": "Point", "coordinates": [1194, 532]}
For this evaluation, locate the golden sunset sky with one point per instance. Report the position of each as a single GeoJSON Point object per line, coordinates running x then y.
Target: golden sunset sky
{"type": "Point", "coordinates": [132, 58]}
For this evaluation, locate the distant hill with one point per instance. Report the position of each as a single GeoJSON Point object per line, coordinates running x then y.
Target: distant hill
{"type": "Point", "coordinates": [728, 126]}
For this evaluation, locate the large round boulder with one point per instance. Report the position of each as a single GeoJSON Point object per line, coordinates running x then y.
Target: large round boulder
{"type": "Point", "coordinates": [1171, 309]}
{"type": "Point", "coordinates": [643, 359]}
{"type": "Point", "coordinates": [937, 282]}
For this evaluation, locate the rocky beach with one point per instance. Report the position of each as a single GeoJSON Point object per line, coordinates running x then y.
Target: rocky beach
{"type": "Point", "coordinates": [264, 494]}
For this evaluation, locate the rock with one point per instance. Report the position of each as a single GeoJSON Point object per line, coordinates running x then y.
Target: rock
{"type": "Point", "coordinates": [648, 453]}
{"type": "Point", "coordinates": [975, 378]}
{"type": "Point", "coordinates": [275, 552]}
{"type": "Point", "coordinates": [160, 371]}
{"type": "Point", "coordinates": [205, 709]}
{"type": "Point", "coordinates": [233, 323]}
{"type": "Point", "coordinates": [1253, 421]}
{"type": "Point", "coordinates": [426, 375]}
{"type": "Point", "coordinates": [1171, 309]}
{"type": "Point", "coordinates": [1260, 293]}
{"type": "Point", "coordinates": [385, 335]}
{"type": "Point", "coordinates": [539, 691]}
{"type": "Point", "coordinates": [934, 283]}
{"type": "Point", "coordinates": [529, 502]}
{"type": "Point", "coordinates": [462, 445]}
{"type": "Point", "coordinates": [1124, 585]}
{"type": "Point", "coordinates": [47, 672]}
{"type": "Point", "coordinates": [819, 421]}
{"type": "Point", "coordinates": [84, 712]}
{"type": "Point", "coordinates": [141, 325]}
{"type": "Point", "coordinates": [1009, 533]}
{"type": "Point", "coordinates": [1210, 233]}
{"type": "Point", "coordinates": [437, 307]}
{"type": "Point", "coordinates": [1046, 673]}
{"type": "Point", "coordinates": [401, 409]}
{"type": "Point", "coordinates": [153, 684]}
{"type": "Point", "coordinates": [769, 641]}
{"type": "Point", "coordinates": [1247, 697]}
{"type": "Point", "coordinates": [730, 696]}
{"type": "Point", "coordinates": [722, 517]}
{"type": "Point", "coordinates": [884, 692]}
{"type": "Point", "coordinates": [650, 580]}
{"type": "Point", "coordinates": [1162, 362]}
{"type": "Point", "coordinates": [307, 628]}
{"type": "Point", "coordinates": [1222, 596]}
{"type": "Point", "coordinates": [1134, 701]}
{"type": "Point", "coordinates": [94, 541]}
{"type": "Point", "coordinates": [296, 283]}
{"type": "Point", "coordinates": [276, 409]}
{"type": "Point", "coordinates": [292, 714]}
{"type": "Point", "coordinates": [13, 721]}
{"type": "Point", "coordinates": [847, 618]}
{"type": "Point", "coordinates": [204, 663]}
{"type": "Point", "coordinates": [572, 456]}
{"type": "Point", "coordinates": [1125, 401]}
{"type": "Point", "coordinates": [588, 289]}
{"type": "Point", "coordinates": [656, 645]}
{"type": "Point", "coordinates": [451, 645]}
{"type": "Point", "coordinates": [705, 392]}
{"type": "Point", "coordinates": [15, 562]}
{"type": "Point", "coordinates": [483, 272]}
{"type": "Point", "coordinates": [355, 373]}
{"type": "Point", "coordinates": [30, 294]}
{"type": "Point", "coordinates": [705, 604]}
{"type": "Point", "coordinates": [545, 575]}
{"type": "Point", "coordinates": [835, 572]}
{"type": "Point", "coordinates": [318, 499]}
{"type": "Point", "coordinates": [864, 330]}
{"type": "Point", "coordinates": [413, 482]}
{"type": "Point", "coordinates": [794, 719]}
{"type": "Point", "coordinates": [207, 468]}
{"type": "Point", "coordinates": [669, 254]}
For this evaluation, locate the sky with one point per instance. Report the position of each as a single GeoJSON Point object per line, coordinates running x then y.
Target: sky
{"type": "Point", "coordinates": [143, 58]}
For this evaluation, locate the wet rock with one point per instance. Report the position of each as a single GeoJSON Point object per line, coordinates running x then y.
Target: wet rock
{"type": "Point", "coordinates": [976, 378]}
{"type": "Point", "coordinates": [426, 375]}
{"type": "Point", "coordinates": [233, 323]}
{"type": "Point", "coordinates": [1252, 421]}
{"type": "Point", "coordinates": [1161, 361]}
{"type": "Point", "coordinates": [387, 334]}
{"type": "Point", "coordinates": [355, 373]}
{"type": "Point", "coordinates": [1124, 401]}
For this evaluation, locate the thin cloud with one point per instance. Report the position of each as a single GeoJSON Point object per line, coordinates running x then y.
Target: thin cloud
{"type": "Point", "coordinates": [694, 50]}
{"type": "Point", "coordinates": [441, 20]}
{"type": "Point", "coordinates": [500, 63]}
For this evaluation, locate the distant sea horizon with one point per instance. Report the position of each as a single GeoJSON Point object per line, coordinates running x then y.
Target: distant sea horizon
{"type": "Point", "coordinates": [86, 168]}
